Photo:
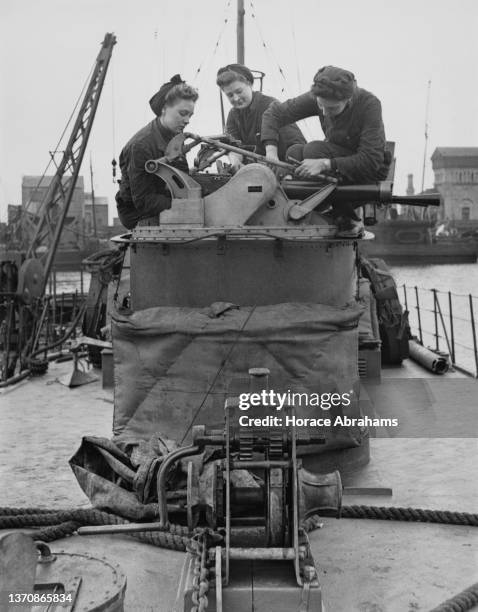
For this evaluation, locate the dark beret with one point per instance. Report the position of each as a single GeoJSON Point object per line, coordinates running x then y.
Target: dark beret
{"type": "Point", "coordinates": [240, 69]}
{"type": "Point", "coordinates": [157, 101]}
{"type": "Point", "coordinates": [333, 83]}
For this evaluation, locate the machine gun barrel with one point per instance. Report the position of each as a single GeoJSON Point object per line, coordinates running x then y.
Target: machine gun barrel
{"type": "Point", "coordinates": [418, 200]}
{"type": "Point", "coordinates": [359, 195]}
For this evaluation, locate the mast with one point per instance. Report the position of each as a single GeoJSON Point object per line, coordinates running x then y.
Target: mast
{"type": "Point", "coordinates": [240, 31]}
{"type": "Point", "coordinates": [426, 135]}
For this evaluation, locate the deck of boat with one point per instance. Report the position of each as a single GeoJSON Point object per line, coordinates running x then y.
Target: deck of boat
{"type": "Point", "coordinates": [364, 565]}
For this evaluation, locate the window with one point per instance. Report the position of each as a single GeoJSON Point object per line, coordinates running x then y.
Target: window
{"type": "Point", "coordinates": [465, 213]}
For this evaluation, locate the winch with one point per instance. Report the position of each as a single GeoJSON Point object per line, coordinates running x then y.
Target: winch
{"type": "Point", "coordinates": [257, 497]}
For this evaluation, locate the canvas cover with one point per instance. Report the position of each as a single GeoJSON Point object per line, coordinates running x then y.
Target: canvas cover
{"type": "Point", "coordinates": [174, 367]}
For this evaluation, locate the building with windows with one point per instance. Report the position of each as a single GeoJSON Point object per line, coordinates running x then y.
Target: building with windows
{"type": "Point", "coordinates": [34, 191]}
{"type": "Point", "coordinates": [456, 179]}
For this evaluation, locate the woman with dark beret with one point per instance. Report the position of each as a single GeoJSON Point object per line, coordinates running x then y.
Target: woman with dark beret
{"type": "Point", "coordinates": [142, 195]}
{"type": "Point", "coordinates": [245, 118]}
{"type": "Point", "coordinates": [354, 147]}
{"type": "Point", "coordinates": [351, 119]}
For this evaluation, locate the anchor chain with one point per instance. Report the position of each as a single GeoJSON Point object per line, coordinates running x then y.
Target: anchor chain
{"type": "Point", "coordinates": [199, 545]}
{"type": "Point", "coordinates": [200, 587]}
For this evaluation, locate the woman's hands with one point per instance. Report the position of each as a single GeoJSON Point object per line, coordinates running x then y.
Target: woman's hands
{"type": "Point", "coordinates": [236, 162]}
{"type": "Point", "coordinates": [310, 168]}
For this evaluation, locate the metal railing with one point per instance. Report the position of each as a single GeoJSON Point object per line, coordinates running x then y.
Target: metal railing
{"type": "Point", "coordinates": [445, 322]}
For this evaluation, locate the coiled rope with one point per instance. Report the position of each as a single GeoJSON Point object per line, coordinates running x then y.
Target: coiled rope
{"type": "Point", "coordinates": [60, 524]}
{"type": "Point", "coordinates": [461, 602]}
{"type": "Point", "coordinates": [465, 600]}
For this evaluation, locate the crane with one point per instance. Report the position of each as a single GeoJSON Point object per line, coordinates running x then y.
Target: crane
{"type": "Point", "coordinates": [24, 275]}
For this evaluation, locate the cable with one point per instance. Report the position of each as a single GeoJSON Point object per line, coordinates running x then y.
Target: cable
{"type": "Point", "coordinates": [24, 209]}
{"type": "Point", "coordinates": [299, 79]}
{"type": "Point", "coordinates": [223, 363]}
{"type": "Point", "coordinates": [113, 120]}
{"type": "Point", "coordinates": [268, 51]}
{"type": "Point", "coordinates": [216, 46]}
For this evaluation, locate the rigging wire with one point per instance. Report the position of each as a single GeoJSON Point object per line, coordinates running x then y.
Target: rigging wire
{"type": "Point", "coordinates": [294, 45]}
{"type": "Point", "coordinates": [305, 123]}
{"type": "Point", "coordinates": [186, 21]}
{"type": "Point", "coordinates": [24, 209]}
{"type": "Point", "coordinates": [269, 51]}
{"type": "Point", "coordinates": [216, 46]}
{"type": "Point", "coordinates": [114, 163]}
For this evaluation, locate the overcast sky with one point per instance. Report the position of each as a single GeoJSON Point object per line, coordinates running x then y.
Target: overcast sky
{"type": "Point", "coordinates": [394, 48]}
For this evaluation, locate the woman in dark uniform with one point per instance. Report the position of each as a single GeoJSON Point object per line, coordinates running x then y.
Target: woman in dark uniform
{"type": "Point", "coordinates": [143, 195]}
{"type": "Point", "coordinates": [245, 118]}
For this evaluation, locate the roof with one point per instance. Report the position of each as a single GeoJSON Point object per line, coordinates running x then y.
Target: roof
{"type": "Point", "coordinates": [456, 151]}
{"type": "Point", "coordinates": [33, 181]}
{"type": "Point", "coordinates": [455, 157]}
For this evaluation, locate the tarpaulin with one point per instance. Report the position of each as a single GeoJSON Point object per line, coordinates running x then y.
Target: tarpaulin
{"type": "Point", "coordinates": [174, 367]}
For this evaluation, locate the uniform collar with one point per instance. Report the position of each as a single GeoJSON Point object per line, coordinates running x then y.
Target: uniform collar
{"type": "Point", "coordinates": [163, 131]}
{"type": "Point", "coordinates": [254, 102]}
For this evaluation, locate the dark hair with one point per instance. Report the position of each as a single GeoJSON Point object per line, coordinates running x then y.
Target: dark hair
{"type": "Point", "coordinates": [333, 83]}
{"type": "Point", "coordinates": [175, 89]}
{"type": "Point", "coordinates": [183, 91]}
{"type": "Point", "coordinates": [234, 72]}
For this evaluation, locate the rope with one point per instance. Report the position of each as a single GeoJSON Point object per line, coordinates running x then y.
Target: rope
{"type": "Point", "coordinates": [163, 539]}
{"type": "Point", "coordinates": [419, 515]}
{"type": "Point", "coordinates": [461, 602]}
{"type": "Point", "coordinates": [63, 523]}
{"type": "Point", "coordinates": [37, 517]}
{"type": "Point", "coordinates": [60, 524]}
{"type": "Point", "coordinates": [312, 523]}
{"type": "Point", "coordinates": [56, 532]}
{"type": "Point", "coordinates": [12, 511]}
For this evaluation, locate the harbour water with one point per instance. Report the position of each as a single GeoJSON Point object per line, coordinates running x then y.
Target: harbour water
{"type": "Point", "coordinates": [457, 278]}
{"type": "Point", "coordinates": [444, 318]}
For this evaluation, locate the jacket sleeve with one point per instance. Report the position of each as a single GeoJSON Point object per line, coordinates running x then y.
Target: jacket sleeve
{"type": "Point", "coordinates": [365, 164]}
{"type": "Point", "coordinates": [145, 188]}
{"type": "Point", "coordinates": [232, 127]}
{"type": "Point", "coordinates": [281, 114]}
{"type": "Point", "coordinates": [289, 135]}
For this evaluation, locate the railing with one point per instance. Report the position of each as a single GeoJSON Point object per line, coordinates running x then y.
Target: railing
{"type": "Point", "coordinates": [445, 322]}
